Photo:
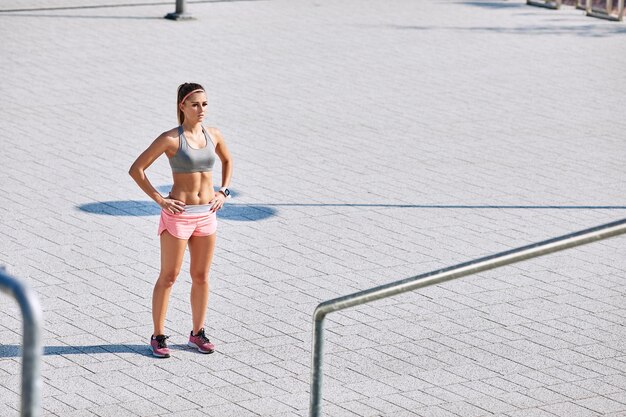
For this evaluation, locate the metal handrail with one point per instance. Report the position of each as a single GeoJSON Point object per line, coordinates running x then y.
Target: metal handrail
{"type": "Point", "coordinates": [497, 260]}
{"type": "Point", "coordinates": [31, 339]}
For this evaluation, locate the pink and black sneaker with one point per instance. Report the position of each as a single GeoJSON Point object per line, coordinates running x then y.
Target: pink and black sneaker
{"type": "Point", "coordinates": [201, 342]}
{"type": "Point", "coordinates": [158, 345]}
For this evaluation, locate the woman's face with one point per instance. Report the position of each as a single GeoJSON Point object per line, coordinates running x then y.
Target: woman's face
{"type": "Point", "coordinates": [194, 107]}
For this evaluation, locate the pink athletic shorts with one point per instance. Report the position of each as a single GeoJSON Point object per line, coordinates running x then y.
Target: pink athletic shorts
{"type": "Point", "coordinates": [194, 221]}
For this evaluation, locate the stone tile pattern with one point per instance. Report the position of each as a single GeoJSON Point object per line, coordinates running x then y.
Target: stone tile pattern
{"type": "Point", "coordinates": [373, 140]}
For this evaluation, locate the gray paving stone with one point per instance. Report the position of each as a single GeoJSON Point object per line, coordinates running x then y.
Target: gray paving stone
{"type": "Point", "coordinates": [402, 401]}
{"type": "Point", "coordinates": [602, 405]}
{"type": "Point", "coordinates": [465, 409]}
{"type": "Point", "coordinates": [373, 141]}
{"type": "Point", "coordinates": [492, 405]}
{"type": "Point", "coordinates": [298, 401]}
{"type": "Point", "coordinates": [519, 400]}
{"type": "Point", "coordinates": [80, 413]}
{"type": "Point", "coordinates": [266, 406]}
{"type": "Point", "coordinates": [530, 412]}
{"type": "Point", "coordinates": [112, 411]}
{"type": "Point", "coordinates": [230, 410]}
{"type": "Point", "coordinates": [434, 411]}
{"type": "Point", "coordinates": [546, 395]}
{"type": "Point", "coordinates": [187, 413]}
{"type": "Point", "coordinates": [568, 408]}
{"type": "Point", "coordinates": [109, 398]}
{"type": "Point", "coordinates": [75, 401]}
{"type": "Point", "coordinates": [55, 406]}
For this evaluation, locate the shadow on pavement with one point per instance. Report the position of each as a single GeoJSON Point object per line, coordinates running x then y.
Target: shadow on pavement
{"type": "Point", "coordinates": [493, 4]}
{"type": "Point", "coordinates": [250, 212]}
{"type": "Point", "coordinates": [138, 208]}
{"type": "Point", "coordinates": [77, 16]}
{"type": "Point", "coordinates": [450, 206]}
{"type": "Point", "coordinates": [597, 30]}
{"type": "Point", "coordinates": [13, 351]}
{"type": "Point", "coordinates": [9, 351]}
{"type": "Point", "coordinates": [110, 5]}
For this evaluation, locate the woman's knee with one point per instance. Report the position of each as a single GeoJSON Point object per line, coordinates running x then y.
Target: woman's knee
{"type": "Point", "coordinates": [167, 278]}
{"type": "Point", "coordinates": [200, 277]}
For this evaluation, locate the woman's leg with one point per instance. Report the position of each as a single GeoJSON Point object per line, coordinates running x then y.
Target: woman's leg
{"type": "Point", "coordinates": [172, 252]}
{"type": "Point", "coordinates": [201, 252]}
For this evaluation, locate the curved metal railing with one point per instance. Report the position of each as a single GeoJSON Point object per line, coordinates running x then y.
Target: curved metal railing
{"type": "Point", "coordinates": [31, 342]}
{"type": "Point", "coordinates": [545, 247]}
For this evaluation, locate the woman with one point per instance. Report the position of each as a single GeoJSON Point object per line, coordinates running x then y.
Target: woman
{"type": "Point", "coordinates": [188, 215]}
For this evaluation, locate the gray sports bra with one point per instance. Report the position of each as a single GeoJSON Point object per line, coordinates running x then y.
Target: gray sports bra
{"type": "Point", "coordinates": [188, 159]}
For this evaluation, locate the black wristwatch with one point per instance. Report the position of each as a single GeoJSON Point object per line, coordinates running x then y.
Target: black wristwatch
{"type": "Point", "coordinates": [225, 191]}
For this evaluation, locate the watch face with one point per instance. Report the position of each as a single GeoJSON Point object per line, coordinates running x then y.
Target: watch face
{"type": "Point", "coordinates": [226, 192]}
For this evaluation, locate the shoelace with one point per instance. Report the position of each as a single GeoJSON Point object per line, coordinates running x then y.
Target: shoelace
{"type": "Point", "coordinates": [202, 336]}
{"type": "Point", "coordinates": [161, 341]}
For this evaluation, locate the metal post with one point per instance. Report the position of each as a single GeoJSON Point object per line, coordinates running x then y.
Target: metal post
{"type": "Point", "coordinates": [180, 13]}
{"type": "Point", "coordinates": [31, 340]}
{"type": "Point", "coordinates": [497, 260]}
{"type": "Point", "coordinates": [607, 13]}
{"type": "Point", "coordinates": [316, 367]}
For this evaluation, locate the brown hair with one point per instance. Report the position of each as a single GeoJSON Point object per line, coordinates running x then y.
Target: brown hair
{"type": "Point", "coordinates": [183, 90]}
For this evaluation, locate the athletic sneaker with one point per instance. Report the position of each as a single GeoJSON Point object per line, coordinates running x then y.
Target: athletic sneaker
{"type": "Point", "coordinates": [201, 342]}
{"type": "Point", "coordinates": [158, 345]}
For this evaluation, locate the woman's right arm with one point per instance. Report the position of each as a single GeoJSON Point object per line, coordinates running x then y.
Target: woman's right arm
{"type": "Point", "coordinates": [138, 172]}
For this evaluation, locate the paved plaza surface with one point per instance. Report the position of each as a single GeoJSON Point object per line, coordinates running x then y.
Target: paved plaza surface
{"type": "Point", "coordinates": [373, 140]}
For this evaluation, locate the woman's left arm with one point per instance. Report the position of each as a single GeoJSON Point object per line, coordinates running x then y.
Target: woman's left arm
{"type": "Point", "coordinates": [227, 167]}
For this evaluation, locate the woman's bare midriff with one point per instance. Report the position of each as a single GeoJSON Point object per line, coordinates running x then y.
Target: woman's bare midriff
{"type": "Point", "coordinates": [193, 188]}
